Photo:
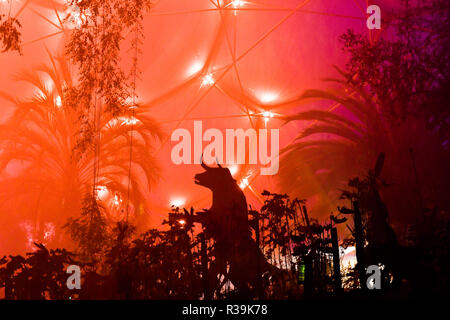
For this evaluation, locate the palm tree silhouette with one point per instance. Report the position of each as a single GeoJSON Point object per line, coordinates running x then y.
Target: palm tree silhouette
{"type": "Point", "coordinates": [327, 152]}
{"type": "Point", "coordinates": [49, 181]}
{"type": "Point", "coordinates": [344, 143]}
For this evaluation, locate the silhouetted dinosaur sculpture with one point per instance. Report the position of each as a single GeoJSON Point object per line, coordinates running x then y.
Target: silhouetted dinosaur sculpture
{"type": "Point", "coordinates": [379, 232]}
{"type": "Point", "coordinates": [379, 244]}
{"type": "Point", "coordinates": [382, 245]}
{"type": "Point", "coordinates": [227, 223]}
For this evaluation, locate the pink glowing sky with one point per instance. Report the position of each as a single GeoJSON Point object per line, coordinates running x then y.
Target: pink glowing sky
{"type": "Point", "coordinates": [279, 52]}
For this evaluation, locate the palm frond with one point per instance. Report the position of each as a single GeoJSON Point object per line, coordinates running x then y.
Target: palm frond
{"type": "Point", "coordinates": [40, 137]}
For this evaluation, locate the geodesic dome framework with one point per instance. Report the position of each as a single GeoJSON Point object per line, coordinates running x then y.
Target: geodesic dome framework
{"type": "Point", "coordinates": [230, 64]}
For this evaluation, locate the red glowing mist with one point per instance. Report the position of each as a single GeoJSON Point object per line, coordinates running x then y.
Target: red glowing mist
{"type": "Point", "coordinates": [231, 65]}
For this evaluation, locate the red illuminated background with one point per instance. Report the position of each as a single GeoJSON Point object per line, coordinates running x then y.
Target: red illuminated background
{"type": "Point", "coordinates": [259, 54]}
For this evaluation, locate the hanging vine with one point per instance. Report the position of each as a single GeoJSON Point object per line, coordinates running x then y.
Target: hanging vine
{"type": "Point", "coordinates": [10, 36]}
{"type": "Point", "coordinates": [94, 48]}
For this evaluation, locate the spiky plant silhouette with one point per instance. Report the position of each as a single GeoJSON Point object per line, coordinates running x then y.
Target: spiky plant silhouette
{"type": "Point", "coordinates": [46, 179]}
{"type": "Point", "coordinates": [390, 98]}
{"type": "Point", "coordinates": [344, 142]}
{"type": "Point", "coordinates": [329, 150]}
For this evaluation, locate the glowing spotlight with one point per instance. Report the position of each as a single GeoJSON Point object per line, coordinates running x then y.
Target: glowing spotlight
{"type": "Point", "coordinates": [102, 191]}
{"type": "Point", "coordinates": [237, 3]}
{"type": "Point", "coordinates": [233, 169]}
{"type": "Point", "coordinates": [208, 80]}
{"type": "Point", "coordinates": [194, 68]}
{"type": "Point", "coordinates": [58, 102]}
{"type": "Point", "coordinates": [267, 115]}
{"type": "Point", "coordinates": [244, 183]}
{"type": "Point", "coordinates": [267, 97]}
{"type": "Point", "coordinates": [177, 202]}
{"type": "Point", "coordinates": [182, 222]}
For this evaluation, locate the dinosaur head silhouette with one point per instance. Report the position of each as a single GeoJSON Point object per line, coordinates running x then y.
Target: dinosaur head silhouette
{"type": "Point", "coordinates": [214, 178]}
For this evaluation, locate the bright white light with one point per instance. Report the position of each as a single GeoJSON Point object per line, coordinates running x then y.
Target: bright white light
{"type": "Point", "coordinates": [233, 169]}
{"type": "Point", "coordinates": [349, 256]}
{"type": "Point", "coordinates": [237, 3]}
{"type": "Point", "coordinates": [182, 222]}
{"type": "Point", "coordinates": [102, 191]}
{"type": "Point", "coordinates": [123, 121]}
{"type": "Point", "coordinates": [267, 115]}
{"type": "Point", "coordinates": [129, 121]}
{"type": "Point", "coordinates": [194, 68]}
{"type": "Point", "coordinates": [267, 97]}
{"type": "Point", "coordinates": [208, 80]}
{"type": "Point", "coordinates": [117, 200]}
{"type": "Point", "coordinates": [243, 184]}
{"type": "Point", "coordinates": [58, 102]}
{"type": "Point", "coordinates": [177, 202]}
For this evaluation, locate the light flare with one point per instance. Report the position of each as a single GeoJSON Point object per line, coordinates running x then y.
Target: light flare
{"type": "Point", "coordinates": [267, 115]}
{"type": "Point", "coordinates": [129, 121]}
{"type": "Point", "coordinates": [208, 80]}
{"type": "Point", "coordinates": [177, 202]}
{"type": "Point", "coordinates": [237, 3]}
{"type": "Point", "coordinates": [233, 169]}
{"type": "Point", "coordinates": [244, 183]}
{"type": "Point", "coordinates": [194, 68]}
{"type": "Point", "coordinates": [268, 97]}
{"type": "Point", "coordinates": [58, 102]}
{"type": "Point", "coordinates": [123, 121]}
{"type": "Point", "coordinates": [102, 192]}
{"type": "Point", "coordinates": [117, 201]}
